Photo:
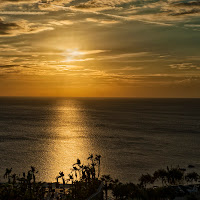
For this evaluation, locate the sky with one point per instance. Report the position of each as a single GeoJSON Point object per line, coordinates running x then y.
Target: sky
{"type": "Point", "coordinates": [100, 48]}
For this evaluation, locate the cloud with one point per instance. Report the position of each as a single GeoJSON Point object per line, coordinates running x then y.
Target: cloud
{"type": "Point", "coordinates": [163, 12]}
{"type": "Point", "coordinates": [101, 4]}
{"type": "Point", "coordinates": [61, 22]}
{"type": "Point", "coordinates": [192, 25]}
{"type": "Point", "coordinates": [7, 28]}
{"type": "Point", "coordinates": [75, 55]}
{"type": "Point", "coordinates": [107, 12]}
{"type": "Point", "coordinates": [129, 68]}
{"type": "Point", "coordinates": [16, 2]}
{"type": "Point", "coordinates": [123, 55]}
{"type": "Point", "coordinates": [193, 58]}
{"type": "Point", "coordinates": [20, 27]}
{"type": "Point", "coordinates": [102, 22]}
{"type": "Point", "coordinates": [184, 66]}
{"type": "Point", "coordinates": [179, 8]}
{"type": "Point", "coordinates": [26, 7]}
{"type": "Point", "coordinates": [53, 5]}
{"type": "Point", "coordinates": [184, 8]}
{"type": "Point", "coordinates": [21, 13]}
{"type": "Point", "coordinates": [7, 48]}
{"type": "Point", "coordinates": [6, 66]}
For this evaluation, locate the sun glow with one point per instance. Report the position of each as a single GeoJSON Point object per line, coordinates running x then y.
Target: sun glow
{"type": "Point", "coordinates": [73, 55]}
{"type": "Point", "coordinates": [76, 55]}
{"type": "Point", "coordinates": [75, 52]}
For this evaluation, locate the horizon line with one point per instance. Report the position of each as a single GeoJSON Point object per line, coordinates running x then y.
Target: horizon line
{"type": "Point", "coordinates": [106, 97]}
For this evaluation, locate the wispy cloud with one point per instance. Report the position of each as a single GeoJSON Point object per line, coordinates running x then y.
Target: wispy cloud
{"type": "Point", "coordinates": [192, 25]}
{"type": "Point", "coordinates": [184, 66]}
{"type": "Point", "coordinates": [123, 55]}
{"type": "Point", "coordinates": [61, 22]}
{"type": "Point", "coordinates": [102, 22]}
{"type": "Point", "coordinates": [22, 13]}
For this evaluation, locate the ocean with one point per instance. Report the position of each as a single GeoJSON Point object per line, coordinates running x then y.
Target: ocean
{"type": "Point", "coordinates": [133, 136]}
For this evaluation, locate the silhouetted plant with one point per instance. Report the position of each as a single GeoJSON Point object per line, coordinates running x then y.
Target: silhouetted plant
{"type": "Point", "coordinates": [85, 181]}
{"type": "Point", "coordinates": [162, 175]}
{"type": "Point", "coordinates": [98, 159]}
{"type": "Point", "coordinates": [169, 178]}
{"type": "Point", "coordinates": [193, 176]}
{"type": "Point", "coordinates": [24, 188]}
{"type": "Point", "coordinates": [7, 174]}
{"type": "Point", "coordinates": [146, 179]}
{"type": "Point", "coordinates": [107, 184]}
{"type": "Point", "coordinates": [175, 176]}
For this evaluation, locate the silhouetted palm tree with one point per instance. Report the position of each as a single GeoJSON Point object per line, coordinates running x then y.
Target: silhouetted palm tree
{"type": "Point", "coordinates": [91, 157]}
{"type": "Point", "coordinates": [33, 171]}
{"type": "Point", "coordinates": [14, 177]}
{"type": "Point", "coordinates": [7, 174]}
{"type": "Point", "coordinates": [98, 159]}
{"type": "Point", "coordinates": [75, 169]}
{"type": "Point", "coordinates": [107, 184]}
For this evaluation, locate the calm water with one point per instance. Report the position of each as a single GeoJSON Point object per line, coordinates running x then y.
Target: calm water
{"type": "Point", "coordinates": [134, 136]}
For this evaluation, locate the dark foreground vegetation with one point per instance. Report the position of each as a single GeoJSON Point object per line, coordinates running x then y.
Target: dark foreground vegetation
{"type": "Point", "coordinates": [84, 182]}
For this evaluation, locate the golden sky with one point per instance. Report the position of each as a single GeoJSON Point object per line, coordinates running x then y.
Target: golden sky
{"type": "Point", "coordinates": [100, 48]}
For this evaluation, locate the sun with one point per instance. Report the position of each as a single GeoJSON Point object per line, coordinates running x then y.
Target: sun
{"type": "Point", "coordinates": [73, 55]}
{"type": "Point", "coordinates": [76, 53]}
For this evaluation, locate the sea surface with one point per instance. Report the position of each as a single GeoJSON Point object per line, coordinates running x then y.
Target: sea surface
{"type": "Point", "coordinates": [133, 136]}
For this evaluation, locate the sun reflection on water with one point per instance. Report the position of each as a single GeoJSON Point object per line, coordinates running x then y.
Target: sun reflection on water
{"type": "Point", "coordinates": [69, 139]}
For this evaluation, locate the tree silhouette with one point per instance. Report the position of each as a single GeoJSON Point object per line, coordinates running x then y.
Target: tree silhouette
{"type": "Point", "coordinates": [98, 159]}
{"type": "Point", "coordinates": [7, 174]}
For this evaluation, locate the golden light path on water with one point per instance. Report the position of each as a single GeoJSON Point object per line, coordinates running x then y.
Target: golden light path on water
{"type": "Point", "coordinates": [70, 140]}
